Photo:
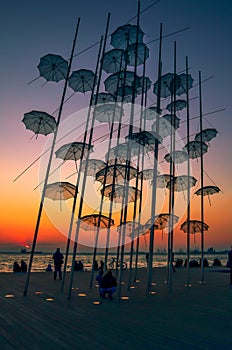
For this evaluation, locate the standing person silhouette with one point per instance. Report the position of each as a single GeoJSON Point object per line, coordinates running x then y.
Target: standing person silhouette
{"type": "Point", "coordinates": [58, 261]}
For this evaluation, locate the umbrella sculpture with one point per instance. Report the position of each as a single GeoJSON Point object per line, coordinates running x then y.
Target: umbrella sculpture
{"type": "Point", "coordinates": [178, 105]}
{"type": "Point", "coordinates": [167, 86]}
{"type": "Point", "coordinates": [82, 80]}
{"type": "Point", "coordinates": [60, 191]}
{"type": "Point", "coordinates": [146, 139]}
{"type": "Point", "coordinates": [208, 191]}
{"type": "Point", "coordinates": [151, 113]}
{"type": "Point", "coordinates": [131, 228]}
{"type": "Point", "coordinates": [125, 94]}
{"type": "Point", "coordinates": [181, 182]}
{"type": "Point", "coordinates": [121, 79]}
{"type": "Point", "coordinates": [143, 85]}
{"type": "Point", "coordinates": [73, 151]}
{"type": "Point", "coordinates": [105, 113]}
{"type": "Point", "coordinates": [126, 35]}
{"type": "Point", "coordinates": [39, 122]}
{"type": "Point", "coordinates": [195, 226]}
{"type": "Point", "coordinates": [94, 165]}
{"type": "Point", "coordinates": [181, 84]}
{"type": "Point", "coordinates": [166, 124]}
{"type": "Point", "coordinates": [117, 172]}
{"type": "Point", "coordinates": [139, 51]}
{"type": "Point", "coordinates": [114, 61]}
{"type": "Point", "coordinates": [146, 174]}
{"type": "Point", "coordinates": [122, 151]}
{"type": "Point", "coordinates": [162, 221]}
{"type": "Point", "coordinates": [193, 148]}
{"type": "Point", "coordinates": [53, 67]}
{"type": "Point", "coordinates": [116, 193]}
{"type": "Point", "coordinates": [207, 135]}
{"type": "Point", "coordinates": [102, 97]}
{"type": "Point", "coordinates": [162, 180]}
{"type": "Point", "coordinates": [92, 221]}
{"type": "Point", "coordinates": [177, 156]}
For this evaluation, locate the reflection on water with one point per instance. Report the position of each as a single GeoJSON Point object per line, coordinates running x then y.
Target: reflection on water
{"type": "Point", "coordinates": [41, 261]}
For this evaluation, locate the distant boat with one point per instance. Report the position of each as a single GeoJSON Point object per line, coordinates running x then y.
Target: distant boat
{"type": "Point", "coordinates": [24, 251]}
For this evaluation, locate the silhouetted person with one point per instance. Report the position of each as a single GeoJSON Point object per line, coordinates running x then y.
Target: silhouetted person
{"type": "Point", "coordinates": [58, 261]}
{"type": "Point", "coordinates": [49, 268]}
{"type": "Point", "coordinates": [16, 267]}
{"type": "Point", "coordinates": [109, 285]}
{"type": "Point", "coordinates": [101, 265]}
{"type": "Point", "coordinates": [229, 264]}
{"type": "Point", "coordinates": [147, 258]}
{"type": "Point", "coordinates": [99, 280]}
{"type": "Point", "coordinates": [179, 263]}
{"type": "Point", "coordinates": [217, 262]}
{"type": "Point", "coordinates": [23, 266]}
{"type": "Point", "coordinates": [76, 266]}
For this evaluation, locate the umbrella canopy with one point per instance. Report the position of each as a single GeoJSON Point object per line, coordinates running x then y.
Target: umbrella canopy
{"type": "Point", "coordinates": [125, 94]}
{"type": "Point", "coordinates": [131, 228]}
{"type": "Point", "coordinates": [116, 193]}
{"type": "Point", "coordinates": [119, 172]}
{"type": "Point", "coordinates": [146, 174]}
{"type": "Point", "coordinates": [143, 85]}
{"type": "Point", "coordinates": [145, 137]}
{"type": "Point", "coordinates": [120, 79]}
{"type": "Point", "coordinates": [166, 124]}
{"type": "Point", "coordinates": [167, 85]}
{"type": "Point", "coordinates": [177, 156]}
{"type": "Point", "coordinates": [181, 182]}
{"type": "Point", "coordinates": [182, 81]}
{"type": "Point", "coordinates": [178, 105]}
{"type": "Point", "coordinates": [207, 135]}
{"type": "Point", "coordinates": [208, 191]}
{"type": "Point", "coordinates": [162, 220]}
{"type": "Point", "coordinates": [126, 35]}
{"type": "Point", "coordinates": [94, 165]}
{"type": "Point", "coordinates": [142, 54]}
{"type": "Point", "coordinates": [53, 67]}
{"type": "Point", "coordinates": [193, 148]}
{"type": "Point", "coordinates": [73, 151]}
{"type": "Point", "coordinates": [90, 222]}
{"type": "Point", "coordinates": [60, 191]}
{"type": "Point", "coordinates": [151, 113]}
{"type": "Point", "coordinates": [114, 60]}
{"type": "Point", "coordinates": [162, 180]}
{"type": "Point", "coordinates": [105, 113]}
{"type": "Point", "coordinates": [103, 97]}
{"type": "Point", "coordinates": [195, 226]}
{"type": "Point", "coordinates": [39, 122]}
{"type": "Point", "coordinates": [122, 151]}
{"type": "Point", "coordinates": [82, 80]}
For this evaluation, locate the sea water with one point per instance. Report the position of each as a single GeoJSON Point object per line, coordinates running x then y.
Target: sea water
{"type": "Point", "coordinates": [40, 261]}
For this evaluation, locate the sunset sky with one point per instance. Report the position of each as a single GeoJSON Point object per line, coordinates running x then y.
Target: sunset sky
{"type": "Point", "coordinates": [30, 30]}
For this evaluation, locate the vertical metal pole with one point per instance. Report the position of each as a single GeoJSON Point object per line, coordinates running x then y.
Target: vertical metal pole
{"type": "Point", "coordinates": [49, 164]}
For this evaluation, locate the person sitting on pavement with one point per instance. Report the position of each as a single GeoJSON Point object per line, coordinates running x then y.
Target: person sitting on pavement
{"type": "Point", "coordinates": [109, 285]}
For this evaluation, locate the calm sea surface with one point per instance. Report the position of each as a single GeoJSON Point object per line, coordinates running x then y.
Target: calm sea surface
{"type": "Point", "coordinates": [41, 261]}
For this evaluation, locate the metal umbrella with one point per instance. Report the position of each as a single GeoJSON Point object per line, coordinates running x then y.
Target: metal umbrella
{"type": "Point", "coordinates": [115, 172]}
{"type": "Point", "coordinates": [162, 180]}
{"type": "Point", "coordinates": [145, 138]}
{"type": "Point", "coordinates": [181, 182]}
{"type": "Point", "coordinates": [193, 148]}
{"type": "Point", "coordinates": [143, 85]}
{"type": "Point", "coordinates": [60, 191]}
{"type": "Point", "coordinates": [194, 226]}
{"type": "Point", "coordinates": [39, 122]}
{"type": "Point", "coordinates": [53, 67]}
{"type": "Point", "coordinates": [146, 174]}
{"type": "Point", "coordinates": [125, 94]}
{"type": "Point", "coordinates": [121, 152]}
{"type": "Point", "coordinates": [94, 165]}
{"type": "Point", "coordinates": [126, 35]}
{"type": "Point", "coordinates": [120, 79]}
{"type": "Point", "coordinates": [177, 157]}
{"type": "Point", "coordinates": [73, 151]}
{"type": "Point", "coordinates": [184, 81]}
{"type": "Point", "coordinates": [104, 113]}
{"type": "Point", "coordinates": [162, 221]}
{"type": "Point", "coordinates": [92, 221]}
{"type": "Point", "coordinates": [167, 85]}
{"type": "Point", "coordinates": [208, 191]}
{"type": "Point", "coordinates": [151, 113]}
{"type": "Point", "coordinates": [114, 61]}
{"type": "Point", "coordinates": [102, 97]}
{"type": "Point", "coordinates": [116, 193]}
{"type": "Point", "coordinates": [138, 51]}
{"type": "Point", "coordinates": [82, 80]}
{"type": "Point", "coordinates": [206, 134]}
{"type": "Point", "coordinates": [177, 105]}
{"type": "Point", "coordinates": [166, 124]}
